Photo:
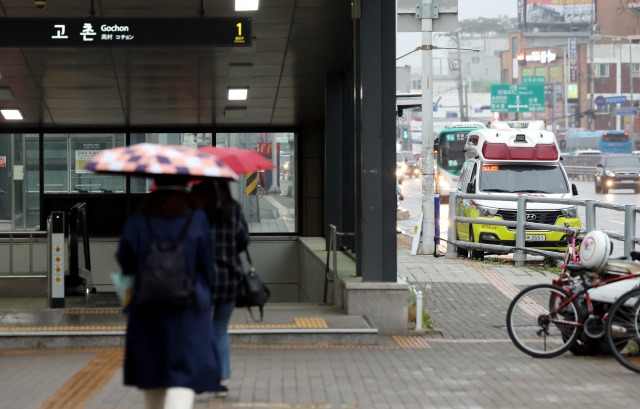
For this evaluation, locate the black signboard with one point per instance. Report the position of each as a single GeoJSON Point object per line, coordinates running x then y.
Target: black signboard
{"type": "Point", "coordinates": [112, 32]}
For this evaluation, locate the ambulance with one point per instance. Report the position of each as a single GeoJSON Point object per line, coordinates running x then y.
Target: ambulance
{"type": "Point", "coordinates": [506, 160]}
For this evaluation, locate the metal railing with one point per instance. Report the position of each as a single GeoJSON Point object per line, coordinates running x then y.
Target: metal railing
{"type": "Point", "coordinates": [16, 238]}
{"type": "Point", "coordinates": [580, 172]}
{"type": "Point", "coordinates": [332, 249]}
{"type": "Point", "coordinates": [521, 225]}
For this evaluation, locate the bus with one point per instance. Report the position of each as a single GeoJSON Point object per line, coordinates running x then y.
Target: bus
{"type": "Point", "coordinates": [604, 141]}
{"type": "Point", "coordinates": [449, 155]}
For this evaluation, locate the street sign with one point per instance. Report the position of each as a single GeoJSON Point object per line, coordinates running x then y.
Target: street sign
{"type": "Point", "coordinates": [625, 112]}
{"type": "Point", "coordinates": [599, 100]}
{"type": "Point", "coordinates": [517, 98]}
{"type": "Point", "coordinates": [533, 79]}
{"type": "Point", "coordinates": [619, 99]}
{"type": "Point", "coordinates": [444, 16]}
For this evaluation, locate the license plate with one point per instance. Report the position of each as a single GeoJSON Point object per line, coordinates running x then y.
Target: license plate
{"type": "Point", "coordinates": [626, 181]}
{"type": "Point", "coordinates": [534, 237]}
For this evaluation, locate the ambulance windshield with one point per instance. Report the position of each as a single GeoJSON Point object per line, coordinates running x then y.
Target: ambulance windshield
{"type": "Point", "coordinates": [523, 179]}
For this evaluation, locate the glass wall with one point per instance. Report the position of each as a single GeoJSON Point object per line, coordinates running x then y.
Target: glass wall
{"type": "Point", "coordinates": [269, 206]}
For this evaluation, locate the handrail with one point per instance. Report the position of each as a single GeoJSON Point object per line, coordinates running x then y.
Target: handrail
{"type": "Point", "coordinates": [30, 235]}
{"type": "Point", "coordinates": [332, 248]}
{"type": "Point", "coordinates": [629, 236]}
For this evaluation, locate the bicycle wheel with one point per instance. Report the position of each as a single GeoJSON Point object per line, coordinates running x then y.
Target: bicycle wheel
{"type": "Point", "coordinates": [623, 330]}
{"type": "Point", "coordinates": [542, 322]}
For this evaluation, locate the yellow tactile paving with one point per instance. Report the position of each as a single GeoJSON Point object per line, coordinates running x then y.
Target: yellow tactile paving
{"type": "Point", "coordinates": [407, 342]}
{"type": "Point", "coordinates": [93, 312]}
{"type": "Point", "coordinates": [84, 385]}
{"type": "Point", "coordinates": [310, 322]}
{"type": "Point", "coordinates": [305, 322]}
{"type": "Point", "coordinates": [262, 326]}
{"type": "Point", "coordinates": [309, 346]}
{"type": "Point", "coordinates": [65, 328]}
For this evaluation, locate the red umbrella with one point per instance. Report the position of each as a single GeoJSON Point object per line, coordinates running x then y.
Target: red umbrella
{"type": "Point", "coordinates": [240, 160]}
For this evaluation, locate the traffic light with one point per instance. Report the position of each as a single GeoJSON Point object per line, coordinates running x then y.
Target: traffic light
{"type": "Point", "coordinates": [405, 133]}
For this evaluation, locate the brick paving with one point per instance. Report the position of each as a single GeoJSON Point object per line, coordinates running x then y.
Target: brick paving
{"type": "Point", "coordinates": [468, 363]}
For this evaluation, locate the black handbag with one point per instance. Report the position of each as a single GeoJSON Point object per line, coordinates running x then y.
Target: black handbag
{"type": "Point", "coordinates": [252, 292]}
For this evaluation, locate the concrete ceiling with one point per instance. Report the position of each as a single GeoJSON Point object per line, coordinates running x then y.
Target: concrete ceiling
{"type": "Point", "coordinates": [295, 44]}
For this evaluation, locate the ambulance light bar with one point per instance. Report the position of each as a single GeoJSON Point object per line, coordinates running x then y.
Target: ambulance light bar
{"type": "Point", "coordinates": [502, 151]}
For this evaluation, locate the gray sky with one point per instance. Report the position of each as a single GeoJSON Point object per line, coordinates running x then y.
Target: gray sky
{"type": "Point", "coordinates": [467, 9]}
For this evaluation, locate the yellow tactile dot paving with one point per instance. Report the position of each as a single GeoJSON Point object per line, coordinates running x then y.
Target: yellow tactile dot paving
{"type": "Point", "coordinates": [65, 328]}
{"type": "Point", "coordinates": [262, 326]}
{"type": "Point", "coordinates": [81, 312]}
{"type": "Point", "coordinates": [309, 346]}
{"type": "Point", "coordinates": [310, 322]}
{"type": "Point", "coordinates": [78, 391]}
{"type": "Point", "coordinates": [410, 342]}
{"type": "Point", "coordinates": [274, 405]}
{"type": "Point", "coordinates": [270, 405]}
{"type": "Point", "coordinates": [305, 322]}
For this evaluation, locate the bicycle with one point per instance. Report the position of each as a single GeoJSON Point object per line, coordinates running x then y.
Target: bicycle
{"type": "Point", "coordinates": [623, 330]}
{"type": "Point", "coordinates": [546, 320]}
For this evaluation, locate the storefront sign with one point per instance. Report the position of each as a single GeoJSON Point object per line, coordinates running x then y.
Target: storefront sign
{"type": "Point", "coordinates": [573, 59]}
{"type": "Point", "coordinates": [543, 57]}
{"type": "Point", "coordinates": [91, 32]}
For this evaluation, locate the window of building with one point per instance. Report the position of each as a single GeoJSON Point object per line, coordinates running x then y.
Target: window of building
{"type": "Point", "coordinates": [555, 74]}
{"type": "Point", "coordinates": [527, 72]}
{"type": "Point", "coordinates": [541, 72]}
{"type": "Point", "coordinates": [269, 205]}
{"type": "Point", "coordinates": [505, 76]}
{"type": "Point", "coordinates": [602, 70]}
{"type": "Point", "coordinates": [635, 70]}
{"type": "Point", "coordinates": [514, 47]}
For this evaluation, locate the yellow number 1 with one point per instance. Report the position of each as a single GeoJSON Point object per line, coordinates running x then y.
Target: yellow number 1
{"type": "Point", "coordinates": [239, 25]}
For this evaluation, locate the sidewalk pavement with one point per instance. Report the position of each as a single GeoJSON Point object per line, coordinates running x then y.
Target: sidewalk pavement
{"type": "Point", "coordinates": [469, 362]}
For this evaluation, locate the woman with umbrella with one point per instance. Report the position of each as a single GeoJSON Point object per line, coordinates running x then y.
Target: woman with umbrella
{"type": "Point", "coordinates": [231, 237]}
{"type": "Point", "coordinates": [169, 353]}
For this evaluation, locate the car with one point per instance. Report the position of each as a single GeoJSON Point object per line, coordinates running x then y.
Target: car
{"type": "Point", "coordinates": [401, 167]}
{"type": "Point", "coordinates": [413, 168]}
{"type": "Point", "coordinates": [618, 171]}
{"type": "Point", "coordinates": [636, 153]}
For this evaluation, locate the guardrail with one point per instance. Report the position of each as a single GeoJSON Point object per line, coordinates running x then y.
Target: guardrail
{"type": "Point", "coordinates": [580, 172]}
{"type": "Point", "coordinates": [521, 225]}
{"type": "Point", "coordinates": [16, 239]}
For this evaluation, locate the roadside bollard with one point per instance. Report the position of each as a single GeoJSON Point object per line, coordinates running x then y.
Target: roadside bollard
{"type": "Point", "coordinates": [436, 208]}
{"type": "Point", "coordinates": [418, 310]}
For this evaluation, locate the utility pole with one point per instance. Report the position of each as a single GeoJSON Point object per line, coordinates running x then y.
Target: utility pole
{"type": "Point", "coordinates": [463, 114]}
{"type": "Point", "coordinates": [592, 73]}
{"type": "Point", "coordinates": [427, 16]}
{"type": "Point", "coordinates": [428, 181]}
{"type": "Point", "coordinates": [565, 104]}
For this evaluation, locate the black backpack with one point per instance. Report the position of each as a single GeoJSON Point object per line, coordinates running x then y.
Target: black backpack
{"type": "Point", "coordinates": [164, 283]}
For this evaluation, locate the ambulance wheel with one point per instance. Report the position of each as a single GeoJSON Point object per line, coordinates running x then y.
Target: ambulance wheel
{"type": "Point", "coordinates": [475, 254]}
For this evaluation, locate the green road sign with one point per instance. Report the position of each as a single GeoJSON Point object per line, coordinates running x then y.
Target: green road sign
{"type": "Point", "coordinates": [517, 98]}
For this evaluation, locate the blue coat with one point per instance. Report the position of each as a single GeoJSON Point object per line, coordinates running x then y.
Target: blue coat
{"type": "Point", "coordinates": [171, 349]}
